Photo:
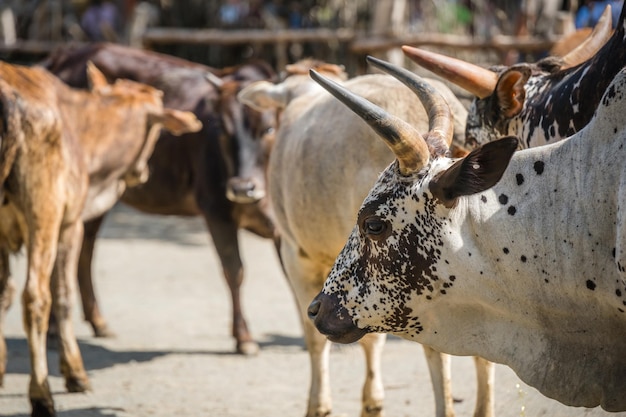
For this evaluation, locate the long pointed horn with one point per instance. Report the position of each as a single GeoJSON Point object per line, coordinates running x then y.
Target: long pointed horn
{"type": "Point", "coordinates": [403, 139]}
{"type": "Point", "coordinates": [596, 40]}
{"type": "Point", "coordinates": [477, 80]}
{"type": "Point", "coordinates": [441, 127]}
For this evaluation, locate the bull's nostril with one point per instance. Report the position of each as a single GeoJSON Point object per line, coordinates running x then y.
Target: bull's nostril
{"type": "Point", "coordinates": [313, 309]}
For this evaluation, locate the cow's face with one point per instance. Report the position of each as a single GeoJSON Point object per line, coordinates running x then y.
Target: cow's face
{"type": "Point", "coordinates": [249, 137]}
{"type": "Point", "coordinates": [395, 259]}
{"type": "Point", "coordinates": [389, 260]}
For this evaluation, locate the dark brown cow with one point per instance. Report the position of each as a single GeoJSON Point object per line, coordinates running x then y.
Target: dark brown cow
{"type": "Point", "coordinates": [188, 175]}
{"type": "Point", "coordinates": [66, 156]}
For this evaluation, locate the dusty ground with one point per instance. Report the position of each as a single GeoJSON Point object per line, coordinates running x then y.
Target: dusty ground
{"type": "Point", "coordinates": [162, 292]}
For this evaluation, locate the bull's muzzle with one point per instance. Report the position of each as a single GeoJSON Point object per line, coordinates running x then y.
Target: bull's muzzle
{"type": "Point", "coordinates": [333, 320]}
{"type": "Point", "coordinates": [244, 190]}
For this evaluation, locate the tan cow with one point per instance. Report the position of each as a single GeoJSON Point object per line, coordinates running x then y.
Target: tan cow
{"type": "Point", "coordinates": [65, 156]}
{"type": "Point", "coordinates": [323, 162]}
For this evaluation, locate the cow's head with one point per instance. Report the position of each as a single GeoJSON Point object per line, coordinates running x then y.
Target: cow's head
{"type": "Point", "coordinates": [502, 94]}
{"type": "Point", "coordinates": [393, 252]}
{"type": "Point", "coordinates": [264, 101]}
{"type": "Point", "coordinates": [150, 100]}
{"type": "Point", "coordinates": [247, 134]}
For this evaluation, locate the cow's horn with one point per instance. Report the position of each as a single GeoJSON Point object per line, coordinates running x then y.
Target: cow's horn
{"type": "Point", "coordinates": [596, 40]}
{"type": "Point", "coordinates": [403, 139]}
{"type": "Point", "coordinates": [214, 79]}
{"type": "Point", "coordinates": [477, 80]}
{"type": "Point", "coordinates": [441, 128]}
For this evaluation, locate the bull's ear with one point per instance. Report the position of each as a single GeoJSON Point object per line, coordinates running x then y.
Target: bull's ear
{"type": "Point", "coordinates": [263, 95]}
{"type": "Point", "coordinates": [510, 90]}
{"type": "Point", "coordinates": [95, 78]}
{"type": "Point", "coordinates": [178, 122]}
{"type": "Point", "coordinates": [477, 172]}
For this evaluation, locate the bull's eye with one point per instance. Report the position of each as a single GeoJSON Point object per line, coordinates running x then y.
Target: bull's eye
{"type": "Point", "coordinates": [375, 228]}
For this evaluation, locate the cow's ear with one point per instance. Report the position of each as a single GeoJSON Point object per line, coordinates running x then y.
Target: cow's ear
{"type": "Point", "coordinates": [510, 91]}
{"type": "Point", "coordinates": [95, 78]}
{"type": "Point", "coordinates": [178, 122]}
{"type": "Point", "coordinates": [263, 95]}
{"type": "Point", "coordinates": [480, 170]}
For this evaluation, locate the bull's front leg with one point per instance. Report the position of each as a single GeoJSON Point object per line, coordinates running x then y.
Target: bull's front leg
{"type": "Point", "coordinates": [306, 282]}
{"type": "Point", "coordinates": [7, 290]}
{"type": "Point", "coordinates": [373, 390]}
{"type": "Point", "coordinates": [439, 369]}
{"type": "Point", "coordinates": [63, 293]}
{"type": "Point", "coordinates": [485, 378]}
{"type": "Point", "coordinates": [224, 235]}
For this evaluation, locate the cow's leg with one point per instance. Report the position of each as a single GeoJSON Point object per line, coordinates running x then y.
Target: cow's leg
{"type": "Point", "coordinates": [306, 283]}
{"type": "Point", "coordinates": [485, 377]}
{"type": "Point", "coordinates": [6, 297]}
{"type": "Point", "coordinates": [42, 246]}
{"type": "Point", "coordinates": [91, 311]}
{"type": "Point", "coordinates": [225, 239]}
{"type": "Point", "coordinates": [63, 293]}
{"type": "Point", "coordinates": [373, 390]}
{"type": "Point", "coordinates": [439, 368]}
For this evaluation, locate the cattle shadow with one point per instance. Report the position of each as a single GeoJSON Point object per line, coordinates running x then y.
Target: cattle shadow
{"type": "Point", "coordinates": [124, 222]}
{"type": "Point", "coordinates": [277, 340]}
{"type": "Point", "coordinates": [96, 356]}
{"type": "Point", "coordinates": [81, 412]}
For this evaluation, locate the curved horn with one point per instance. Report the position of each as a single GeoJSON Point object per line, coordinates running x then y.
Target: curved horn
{"type": "Point", "coordinates": [477, 80]}
{"type": "Point", "coordinates": [403, 140]}
{"type": "Point", "coordinates": [588, 48]}
{"type": "Point", "coordinates": [214, 79]}
{"type": "Point", "coordinates": [440, 127]}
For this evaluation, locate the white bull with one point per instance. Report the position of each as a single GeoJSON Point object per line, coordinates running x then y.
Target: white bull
{"type": "Point", "coordinates": [324, 161]}
{"type": "Point", "coordinates": [517, 257]}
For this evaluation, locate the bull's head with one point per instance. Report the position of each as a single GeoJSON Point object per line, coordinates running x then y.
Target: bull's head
{"type": "Point", "coordinates": [247, 135]}
{"type": "Point", "coordinates": [392, 256]}
{"type": "Point", "coordinates": [502, 95]}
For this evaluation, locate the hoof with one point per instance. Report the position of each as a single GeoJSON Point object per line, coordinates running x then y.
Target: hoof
{"type": "Point", "coordinates": [248, 348]}
{"type": "Point", "coordinates": [372, 411]}
{"type": "Point", "coordinates": [77, 384]}
{"type": "Point", "coordinates": [42, 408]}
{"type": "Point", "coordinates": [102, 331]}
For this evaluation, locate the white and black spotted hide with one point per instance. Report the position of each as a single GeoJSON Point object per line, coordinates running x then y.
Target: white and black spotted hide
{"type": "Point", "coordinates": [529, 273]}
{"type": "Point", "coordinates": [554, 103]}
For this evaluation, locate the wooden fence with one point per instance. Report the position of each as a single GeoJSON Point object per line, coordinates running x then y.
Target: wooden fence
{"type": "Point", "coordinates": [357, 44]}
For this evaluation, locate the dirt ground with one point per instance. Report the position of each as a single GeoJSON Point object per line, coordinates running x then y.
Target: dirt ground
{"type": "Point", "coordinates": [163, 294]}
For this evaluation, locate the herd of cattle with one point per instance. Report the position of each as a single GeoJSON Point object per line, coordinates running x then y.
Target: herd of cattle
{"type": "Point", "coordinates": [467, 243]}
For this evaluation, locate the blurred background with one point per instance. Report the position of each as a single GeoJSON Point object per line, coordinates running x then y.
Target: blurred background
{"type": "Point", "coordinates": [224, 33]}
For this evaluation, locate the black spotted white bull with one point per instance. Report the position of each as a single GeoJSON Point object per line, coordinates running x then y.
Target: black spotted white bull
{"type": "Point", "coordinates": [541, 102]}
{"type": "Point", "coordinates": [322, 165]}
{"type": "Point", "coordinates": [518, 257]}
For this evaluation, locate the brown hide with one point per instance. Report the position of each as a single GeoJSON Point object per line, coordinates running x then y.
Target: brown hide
{"type": "Point", "coordinates": [65, 155]}
{"type": "Point", "coordinates": [188, 176]}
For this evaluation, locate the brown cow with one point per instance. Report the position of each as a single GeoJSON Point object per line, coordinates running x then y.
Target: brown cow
{"type": "Point", "coordinates": [66, 156]}
{"type": "Point", "coordinates": [189, 175]}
